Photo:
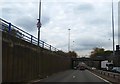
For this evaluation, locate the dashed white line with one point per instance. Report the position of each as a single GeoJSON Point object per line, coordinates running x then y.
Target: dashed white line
{"type": "Point", "coordinates": [73, 76]}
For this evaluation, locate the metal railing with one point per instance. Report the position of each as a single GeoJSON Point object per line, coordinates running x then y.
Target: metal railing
{"type": "Point", "coordinates": [21, 34]}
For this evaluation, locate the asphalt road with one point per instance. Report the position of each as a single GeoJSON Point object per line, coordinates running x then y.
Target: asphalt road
{"type": "Point", "coordinates": [74, 76]}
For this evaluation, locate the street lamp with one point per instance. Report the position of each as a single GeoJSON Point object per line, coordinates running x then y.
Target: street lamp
{"type": "Point", "coordinates": [113, 29]}
{"type": "Point", "coordinates": [69, 40]}
{"type": "Point", "coordinates": [39, 22]}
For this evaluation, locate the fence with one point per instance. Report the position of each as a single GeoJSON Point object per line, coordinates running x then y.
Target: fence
{"type": "Point", "coordinates": [19, 33]}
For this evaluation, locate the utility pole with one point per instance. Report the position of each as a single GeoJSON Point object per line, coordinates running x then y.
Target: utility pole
{"type": "Point", "coordinates": [69, 40]}
{"type": "Point", "coordinates": [39, 22]}
{"type": "Point", "coordinates": [113, 29]}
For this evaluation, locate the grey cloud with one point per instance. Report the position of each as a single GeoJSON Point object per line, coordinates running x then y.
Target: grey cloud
{"type": "Point", "coordinates": [62, 46]}
{"type": "Point", "coordinates": [116, 34]}
{"type": "Point", "coordinates": [45, 20]}
{"type": "Point", "coordinates": [27, 23]}
{"type": "Point", "coordinates": [88, 44]}
{"type": "Point", "coordinates": [13, 8]}
{"type": "Point", "coordinates": [99, 21]}
{"type": "Point", "coordinates": [10, 12]}
{"type": "Point", "coordinates": [85, 7]}
{"type": "Point", "coordinates": [21, 20]}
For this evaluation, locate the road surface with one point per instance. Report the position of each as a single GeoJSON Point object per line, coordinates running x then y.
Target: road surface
{"type": "Point", "coordinates": [74, 76]}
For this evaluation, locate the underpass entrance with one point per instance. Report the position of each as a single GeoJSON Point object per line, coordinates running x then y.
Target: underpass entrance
{"type": "Point", "coordinates": [88, 61]}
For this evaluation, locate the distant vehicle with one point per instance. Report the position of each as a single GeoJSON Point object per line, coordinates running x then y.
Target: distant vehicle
{"type": "Point", "coordinates": [93, 68]}
{"type": "Point", "coordinates": [105, 65]}
{"type": "Point", "coordinates": [116, 69]}
{"type": "Point", "coordinates": [82, 67]}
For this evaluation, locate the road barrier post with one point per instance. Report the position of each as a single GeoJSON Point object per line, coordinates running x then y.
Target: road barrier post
{"type": "Point", "coordinates": [9, 28]}
{"type": "Point", "coordinates": [31, 38]}
{"type": "Point", "coordinates": [43, 44]}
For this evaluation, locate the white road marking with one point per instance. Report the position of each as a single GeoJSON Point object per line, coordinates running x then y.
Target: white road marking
{"type": "Point", "coordinates": [100, 77]}
{"type": "Point", "coordinates": [37, 81]}
{"type": "Point", "coordinates": [73, 76]}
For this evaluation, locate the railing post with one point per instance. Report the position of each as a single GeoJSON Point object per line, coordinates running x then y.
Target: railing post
{"type": "Point", "coordinates": [9, 27]}
{"type": "Point", "coordinates": [113, 75]}
{"type": "Point", "coordinates": [31, 38]}
{"type": "Point", "coordinates": [43, 44]}
{"type": "Point", "coordinates": [50, 47]}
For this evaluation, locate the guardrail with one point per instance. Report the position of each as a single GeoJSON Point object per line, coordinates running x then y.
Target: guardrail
{"type": "Point", "coordinates": [21, 34]}
{"type": "Point", "coordinates": [115, 76]}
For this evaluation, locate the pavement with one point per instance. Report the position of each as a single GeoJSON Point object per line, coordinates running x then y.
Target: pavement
{"type": "Point", "coordinates": [75, 76]}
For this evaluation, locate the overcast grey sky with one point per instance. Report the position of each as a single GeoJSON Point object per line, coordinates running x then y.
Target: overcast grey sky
{"type": "Point", "coordinates": [89, 21]}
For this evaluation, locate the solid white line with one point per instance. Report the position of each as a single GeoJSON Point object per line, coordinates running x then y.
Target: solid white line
{"type": "Point", "coordinates": [100, 77]}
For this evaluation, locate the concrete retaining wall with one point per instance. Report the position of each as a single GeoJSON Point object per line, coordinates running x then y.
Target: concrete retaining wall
{"type": "Point", "coordinates": [23, 61]}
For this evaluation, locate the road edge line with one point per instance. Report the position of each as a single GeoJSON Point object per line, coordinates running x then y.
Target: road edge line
{"type": "Point", "coordinates": [100, 77]}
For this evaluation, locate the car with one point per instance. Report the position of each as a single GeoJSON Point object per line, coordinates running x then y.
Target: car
{"type": "Point", "coordinates": [82, 68]}
{"type": "Point", "coordinates": [93, 68]}
{"type": "Point", "coordinates": [116, 69]}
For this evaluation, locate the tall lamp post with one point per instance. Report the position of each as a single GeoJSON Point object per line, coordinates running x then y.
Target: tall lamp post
{"type": "Point", "coordinates": [69, 40]}
{"type": "Point", "coordinates": [113, 29]}
{"type": "Point", "coordinates": [39, 22]}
